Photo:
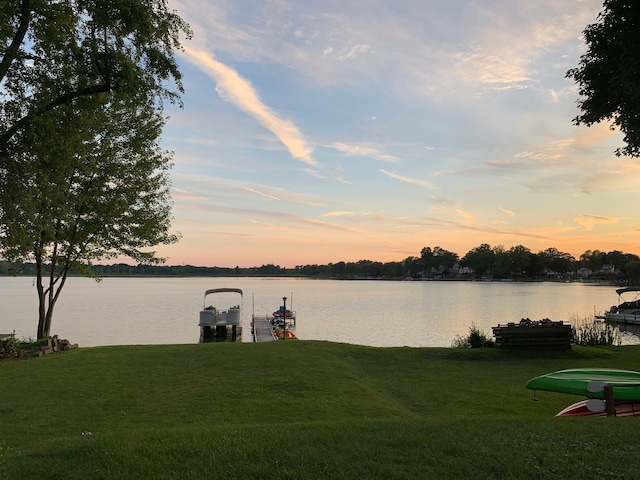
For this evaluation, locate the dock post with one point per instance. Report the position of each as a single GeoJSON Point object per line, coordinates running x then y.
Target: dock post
{"type": "Point", "coordinates": [609, 401]}
{"type": "Point", "coordinates": [284, 319]}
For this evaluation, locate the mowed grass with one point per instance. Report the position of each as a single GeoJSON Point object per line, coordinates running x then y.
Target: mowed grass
{"type": "Point", "coordinates": [304, 410]}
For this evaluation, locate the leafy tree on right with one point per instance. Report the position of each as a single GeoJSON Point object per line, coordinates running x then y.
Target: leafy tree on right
{"type": "Point", "coordinates": [608, 76]}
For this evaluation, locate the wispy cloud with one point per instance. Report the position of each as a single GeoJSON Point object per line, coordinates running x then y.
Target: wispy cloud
{"type": "Point", "coordinates": [235, 89]}
{"type": "Point", "coordinates": [208, 187]}
{"type": "Point", "coordinates": [533, 158]}
{"type": "Point", "coordinates": [272, 197]}
{"type": "Point", "coordinates": [469, 223]}
{"type": "Point", "coordinates": [587, 138]}
{"type": "Point", "coordinates": [184, 195]}
{"type": "Point", "coordinates": [464, 107]}
{"type": "Point", "coordinates": [444, 202]}
{"type": "Point", "coordinates": [409, 180]}
{"type": "Point", "coordinates": [614, 175]}
{"type": "Point", "coordinates": [348, 53]}
{"type": "Point", "coordinates": [507, 42]}
{"type": "Point", "coordinates": [589, 221]}
{"type": "Point", "coordinates": [468, 218]}
{"type": "Point", "coordinates": [508, 213]}
{"type": "Point", "coordinates": [364, 151]}
{"type": "Point", "coordinates": [337, 214]}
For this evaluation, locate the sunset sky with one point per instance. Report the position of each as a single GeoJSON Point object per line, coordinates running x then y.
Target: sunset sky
{"type": "Point", "coordinates": [327, 131]}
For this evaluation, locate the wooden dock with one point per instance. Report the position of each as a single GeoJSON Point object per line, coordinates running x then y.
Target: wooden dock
{"type": "Point", "coordinates": [261, 329]}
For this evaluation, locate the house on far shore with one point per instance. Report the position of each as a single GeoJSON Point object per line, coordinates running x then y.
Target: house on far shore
{"type": "Point", "coordinates": [553, 274]}
{"type": "Point", "coordinates": [458, 271]}
{"type": "Point", "coordinates": [609, 269]}
{"type": "Point", "coordinates": [584, 272]}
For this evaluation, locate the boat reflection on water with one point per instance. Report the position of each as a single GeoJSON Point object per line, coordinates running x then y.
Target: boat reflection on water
{"type": "Point", "coordinates": [165, 310]}
{"type": "Point", "coordinates": [629, 329]}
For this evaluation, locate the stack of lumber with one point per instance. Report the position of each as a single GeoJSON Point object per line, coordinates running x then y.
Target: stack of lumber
{"type": "Point", "coordinates": [529, 334]}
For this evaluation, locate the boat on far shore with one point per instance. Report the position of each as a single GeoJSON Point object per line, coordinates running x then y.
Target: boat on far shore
{"type": "Point", "coordinates": [628, 308]}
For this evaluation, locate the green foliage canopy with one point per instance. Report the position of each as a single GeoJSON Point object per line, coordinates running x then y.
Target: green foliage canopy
{"type": "Point", "coordinates": [54, 52]}
{"type": "Point", "coordinates": [91, 183]}
{"type": "Point", "coordinates": [608, 76]}
{"type": "Point", "coordinates": [81, 174]}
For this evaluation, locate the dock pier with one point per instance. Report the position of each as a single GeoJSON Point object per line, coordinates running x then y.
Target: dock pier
{"type": "Point", "coordinates": [261, 329]}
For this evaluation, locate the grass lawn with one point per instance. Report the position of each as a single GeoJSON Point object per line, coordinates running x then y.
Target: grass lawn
{"type": "Point", "coordinates": [304, 410]}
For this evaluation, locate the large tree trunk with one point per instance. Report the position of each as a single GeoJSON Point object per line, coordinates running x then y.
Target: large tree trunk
{"type": "Point", "coordinates": [42, 309]}
{"type": "Point", "coordinates": [47, 301]}
{"type": "Point", "coordinates": [47, 297]}
{"type": "Point", "coordinates": [42, 333]}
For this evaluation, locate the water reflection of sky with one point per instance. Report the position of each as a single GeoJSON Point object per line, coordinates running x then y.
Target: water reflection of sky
{"type": "Point", "coordinates": [377, 313]}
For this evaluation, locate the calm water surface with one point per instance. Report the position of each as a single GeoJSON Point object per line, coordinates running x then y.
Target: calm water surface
{"type": "Point", "coordinates": [133, 311]}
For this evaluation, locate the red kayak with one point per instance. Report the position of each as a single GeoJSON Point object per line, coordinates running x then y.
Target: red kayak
{"type": "Point", "coordinates": [595, 408]}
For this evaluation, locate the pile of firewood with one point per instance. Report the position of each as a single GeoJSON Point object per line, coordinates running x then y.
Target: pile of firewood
{"type": "Point", "coordinates": [530, 334]}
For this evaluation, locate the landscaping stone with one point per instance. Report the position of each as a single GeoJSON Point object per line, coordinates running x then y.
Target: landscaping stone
{"type": "Point", "coordinates": [10, 347]}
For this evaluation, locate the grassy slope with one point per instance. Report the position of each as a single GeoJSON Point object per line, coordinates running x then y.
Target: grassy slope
{"type": "Point", "coordinates": [304, 410]}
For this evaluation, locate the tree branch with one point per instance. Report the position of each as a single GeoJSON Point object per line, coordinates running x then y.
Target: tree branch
{"type": "Point", "coordinates": [18, 38]}
{"type": "Point", "coordinates": [62, 99]}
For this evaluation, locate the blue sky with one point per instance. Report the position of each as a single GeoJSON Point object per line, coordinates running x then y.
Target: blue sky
{"type": "Point", "coordinates": [326, 131]}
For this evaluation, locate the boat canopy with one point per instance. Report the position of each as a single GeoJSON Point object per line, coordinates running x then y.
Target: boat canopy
{"type": "Point", "coordinates": [220, 290]}
{"type": "Point", "coordinates": [620, 291]}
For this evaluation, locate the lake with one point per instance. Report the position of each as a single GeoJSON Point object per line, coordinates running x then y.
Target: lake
{"type": "Point", "coordinates": [130, 311]}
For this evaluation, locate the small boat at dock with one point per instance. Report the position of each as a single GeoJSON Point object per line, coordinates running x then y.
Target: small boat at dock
{"type": "Point", "coordinates": [283, 317]}
{"type": "Point", "coordinates": [218, 324]}
{"type": "Point", "coordinates": [283, 321]}
{"type": "Point", "coordinates": [628, 308]}
{"type": "Point", "coordinates": [281, 333]}
{"type": "Point", "coordinates": [282, 313]}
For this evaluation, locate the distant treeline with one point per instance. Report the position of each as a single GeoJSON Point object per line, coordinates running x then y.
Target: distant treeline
{"type": "Point", "coordinates": [483, 261]}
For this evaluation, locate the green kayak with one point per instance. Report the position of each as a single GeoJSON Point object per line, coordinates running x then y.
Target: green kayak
{"type": "Point", "coordinates": [590, 382]}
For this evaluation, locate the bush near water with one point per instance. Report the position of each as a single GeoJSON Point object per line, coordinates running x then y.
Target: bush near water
{"type": "Point", "coordinates": [475, 339]}
{"type": "Point", "coordinates": [590, 332]}
{"type": "Point", "coordinates": [585, 331]}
